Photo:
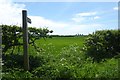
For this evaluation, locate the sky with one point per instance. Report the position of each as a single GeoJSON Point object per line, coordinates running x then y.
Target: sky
{"type": "Point", "coordinates": [64, 18]}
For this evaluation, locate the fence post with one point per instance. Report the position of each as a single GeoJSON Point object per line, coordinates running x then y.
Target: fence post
{"type": "Point", "coordinates": [25, 40]}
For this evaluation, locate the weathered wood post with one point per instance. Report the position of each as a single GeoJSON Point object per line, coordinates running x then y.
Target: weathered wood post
{"type": "Point", "coordinates": [25, 19]}
{"type": "Point", "coordinates": [119, 39]}
{"type": "Point", "coordinates": [0, 53]}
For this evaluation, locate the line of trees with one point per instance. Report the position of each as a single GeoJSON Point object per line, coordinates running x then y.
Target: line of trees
{"type": "Point", "coordinates": [67, 35]}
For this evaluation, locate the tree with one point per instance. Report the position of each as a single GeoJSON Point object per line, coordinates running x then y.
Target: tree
{"type": "Point", "coordinates": [12, 36]}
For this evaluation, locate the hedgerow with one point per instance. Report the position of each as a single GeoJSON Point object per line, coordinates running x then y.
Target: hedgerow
{"type": "Point", "coordinates": [103, 44]}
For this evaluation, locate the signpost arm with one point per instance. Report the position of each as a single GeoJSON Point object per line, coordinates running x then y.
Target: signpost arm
{"type": "Point", "coordinates": [25, 40]}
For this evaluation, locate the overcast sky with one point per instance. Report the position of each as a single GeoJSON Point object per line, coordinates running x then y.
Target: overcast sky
{"type": "Point", "coordinates": [62, 17]}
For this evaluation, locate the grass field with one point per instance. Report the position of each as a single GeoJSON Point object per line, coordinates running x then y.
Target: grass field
{"type": "Point", "coordinates": [54, 45]}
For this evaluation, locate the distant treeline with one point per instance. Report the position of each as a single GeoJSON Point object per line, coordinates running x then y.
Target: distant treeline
{"type": "Point", "coordinates": [66, 35]}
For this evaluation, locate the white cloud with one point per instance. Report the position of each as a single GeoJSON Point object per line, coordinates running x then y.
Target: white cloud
{"type": "Point", "coordinates": [115, 8]}
{"type": "Point", "coordinates": [96, 17]}
{"type": "Point", "coordinates": [10, 13]}
{"type": "Point", "coordinates": [78, 19]}
{"type": "Point", "coordinates": [85, 14]}
{"type": "Point", "coordinates": [39, 21]}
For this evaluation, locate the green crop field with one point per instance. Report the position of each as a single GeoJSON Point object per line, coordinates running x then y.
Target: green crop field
{"type": "Point", "coordinates": [55, 45]}
{"type": "Point", "coordinates": [52, 45]}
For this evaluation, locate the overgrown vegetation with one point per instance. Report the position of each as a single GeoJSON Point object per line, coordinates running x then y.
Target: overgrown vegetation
{"type": "Point", "coordinates": [69, 62]}
{"type": "Point", "coordinates": [103, 44]}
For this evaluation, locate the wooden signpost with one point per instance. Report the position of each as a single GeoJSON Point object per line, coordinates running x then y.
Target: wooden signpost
{"type": "Point", "coordinates": [0, 53]}
{"type": "Point", "coordinates": [25, 19]}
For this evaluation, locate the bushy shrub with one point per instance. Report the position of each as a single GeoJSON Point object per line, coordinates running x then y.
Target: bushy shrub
{"type": "Point", "coordinates": [55, 71]}
{"type": "Point", "coordinates": [16, 61]}
{"type": "Point", "coordinates": [16, 74]}
{"type": "Point", "coordinates": [103, 44]}
{"type": "Point", "coordinates": [12, 35]}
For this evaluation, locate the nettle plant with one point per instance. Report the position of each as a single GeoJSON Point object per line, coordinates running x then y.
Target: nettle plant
{"type": "Point", "coordinates": [12, 36]}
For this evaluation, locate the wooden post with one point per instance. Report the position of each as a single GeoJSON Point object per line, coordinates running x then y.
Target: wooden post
{"type": "Point", "coordinates": [25, 40]}
{"type": "Point", "coordinates": [119, 39]}
{"type": "Point", "coordinates": [0, 53]}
